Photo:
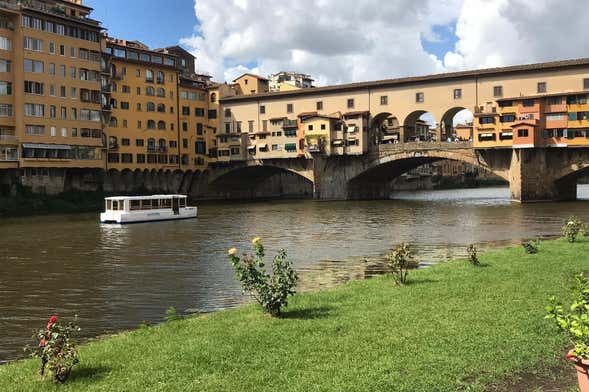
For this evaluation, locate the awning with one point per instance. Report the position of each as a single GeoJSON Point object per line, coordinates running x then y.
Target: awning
{"type": "Point", "coordinates": [506, 133]}
{"type": "Point", "coordinates": [337, 142]}
{"type": "Point", "coordinates": [47, 146]}
{"type": "Point", "coordinates": [351, 129]}
{"type": "Point", "coordinates": [263, 145]}
{"type": "Point", "coordinates": [251, 147]}
{"type": "Point", "coordinates": [390, 137]}
{"type": "Point", "coordinates": [486, 135]}
{"type": "Point", "coordinates": [353, 138]}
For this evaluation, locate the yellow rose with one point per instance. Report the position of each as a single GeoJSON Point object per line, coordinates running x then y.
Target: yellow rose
{"type": "Point", "coordinates": [256, 241]}
{"type": "Point", "coordinates": [232, 251]}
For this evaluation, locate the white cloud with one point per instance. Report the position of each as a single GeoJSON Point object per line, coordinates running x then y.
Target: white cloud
{"type": "Point", "coordinates": [340, 41]}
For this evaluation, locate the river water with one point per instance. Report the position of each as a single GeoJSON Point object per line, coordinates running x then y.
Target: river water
{"type": "Point", "coordinates": [115, 277]}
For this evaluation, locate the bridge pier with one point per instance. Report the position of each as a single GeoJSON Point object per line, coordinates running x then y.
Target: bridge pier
{"type": "Point", "coordinates": [534, 176]}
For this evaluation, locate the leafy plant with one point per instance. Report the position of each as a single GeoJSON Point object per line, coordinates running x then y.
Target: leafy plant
{"type": "Point", "coordinates": [271, 291]}
{"type": "Point", "coordinates": [57, 352]}
{"type": "Point", "coordinates": [574, 322]}
{"type": "Point", "coordinates": [572, 227]}
{"type": "Point", "coordinates": [172, 314]}
{"type": "Point", "coordinates": [400, 260]}
{"type": "Point", "coordinates": [473, 258]}
{"type": "Point", "coordinates": [531, 246]}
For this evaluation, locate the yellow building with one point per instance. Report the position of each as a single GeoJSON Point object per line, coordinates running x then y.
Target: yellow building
{"type": "Point", "coordinates": [50, 63]}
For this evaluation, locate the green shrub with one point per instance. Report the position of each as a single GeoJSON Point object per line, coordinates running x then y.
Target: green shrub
{"type": "Point", "coordinates": [400, 260]}
{"type": "Point", "coordinates": [571, 228]}
{"type": "Point", "coordinates": [574, 322]}
{"type": "Point", "coordinates": [55, 349]}
{"type": "Point", "coordinates": [473, 258]}
{"type": "Point", "coordinates": [271, 291]}
{"type": "Point", "coordinates": [172, 314]}
{"type": "Point", "coordinates": [531, 246]}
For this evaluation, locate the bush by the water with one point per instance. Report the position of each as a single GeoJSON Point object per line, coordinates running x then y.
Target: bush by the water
{"type": "Point", "coordinates": [572, 227]}
{"type": "Point", "coordinates": [55, 349]}
{"type": "Point", "coordinates": [574, 322]}
{"type": "Point", "coordinates": [473, 257]}
{"type": "Point", "coordinates": [269, 290]}
{"type": "Point", "coordinates": [400, 260]}
{"type": "Point", "coordinates": [531, 246]}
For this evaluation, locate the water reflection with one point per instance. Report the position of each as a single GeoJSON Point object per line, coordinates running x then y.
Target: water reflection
{"type": "Point", "coordinates": [114, 277]}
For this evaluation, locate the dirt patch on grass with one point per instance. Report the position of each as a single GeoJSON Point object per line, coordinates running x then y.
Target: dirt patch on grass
{"type": "Point", "coordinates": [557, 379]}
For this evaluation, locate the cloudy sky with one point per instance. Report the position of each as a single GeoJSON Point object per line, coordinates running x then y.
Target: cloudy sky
{"type": "Point", "coordinates": [338, 41]}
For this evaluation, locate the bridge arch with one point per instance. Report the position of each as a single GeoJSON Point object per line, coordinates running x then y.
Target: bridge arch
{"type": "Point", "coordinates": [448, 119]}
{"type": "Point", "coordinates": [373, 181]}
{"type": "Point", "coordinates": [384, 128]}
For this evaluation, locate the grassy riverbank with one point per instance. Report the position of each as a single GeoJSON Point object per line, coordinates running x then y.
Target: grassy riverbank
{"type": "Point", "coordinates": [454, 327]}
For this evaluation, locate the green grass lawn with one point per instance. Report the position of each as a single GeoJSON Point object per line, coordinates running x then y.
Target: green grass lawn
{"type": "Point", "coordinates": [454, 327]}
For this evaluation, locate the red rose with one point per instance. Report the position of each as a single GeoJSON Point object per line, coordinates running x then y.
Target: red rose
{"type": "Point", "coordinates": [570, 356]}
{"type": "Point", "coordinates": [52, 321]}
{"type": "Point", "coordinates": [42, 343]}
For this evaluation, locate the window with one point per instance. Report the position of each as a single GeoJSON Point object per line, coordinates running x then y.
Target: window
{"type": "Point", "coordinates": [5, 65]}
{"type": "Point", "coordinates": [138, 106]}
{"type": "Point", "coordinates": [125, 142]}
{"type": "Point", "coordinates": [124, 123]}
{"type": "Point", "coordinates": [554, 117]}
{"type": "Point", "coordinates": [310, 127]}
{"type": "Point", "coordinates": [161, 108]}
{"type": "Point", "coordinates": [384, 100]}
{"type": "Point", "coordinates": [63, 113]}
{"type": "Point", "coordinates": [227, 112]}
{"type": "Point", "coordinates": [199, 129]}
{"type": "Point", "coordinates": [554, 100]}
{"type": "Point", "coordinates": [486, 120]}
{"type": "Point", "coordinates": [262, 109]}
{"type": "Point", "coordinates": [150, 124]}
{"type": "Point", "coordinates": [52, 111]}
{"type": "Point", "coordinates": [32, 87]}
{"type": "Point", "coordinates": [34, 110]}
{"type": "Point", "coordinates": [62, 92]}
{"type": "Point", "coordinates": [33, 66]}
{"type": "Point", "coordinates": [250, 126]}
{"type": "Point", "coordinates": [53, 131]}
{"type": "Point", "coordinates": [522, 133]}
{"type": "Point", "coordinates": [150, 107]}
{"type": "Point", "coordinates": [72, 51]}
{"type": "Point", "coordinates": [541, 87]}
{"type": "Point", "coordinates": [161, 92]}
{"type": "Point", "coordinates": [74, 132]}
{"type": "Point", "coordinates": [160, 77]}
{"type": "Point", "coordinates": [138, 90]}
{"type": "Point", "coordinates": [62, 70]}
{"type": "Point", "coordinates": [199, 112]}
{"type": "Point", "coordinates": [457, 93]}
{"type": "Point", "coordinates": [213, 98]}
{"type": "Point", "coordinates": [498, 91]}
{"type": "Point", "coordinates": [586, 84]}
{"type": "Point", "coordinates": [52, 90]}
{"type": "Point", "coordinates": [29, 44]}
{"type": "Point", "coordinates": [185, 110]}
{"type": "Point", "coordinates": [62, 50]}
{"type": "Point", "coordinates": [126, 89]}
{"type": "Point", "coordinates": [124, 105]}
{"type": "Point", "coordinates": [150, 91]}
{"type": "Point", "coordinates": [5, 110]}
{"type": "Point", "coordinates": [419, 97]}
{"type": "Point", "coordinates": [289, 108]}
{"type": "Point", "coordinates": [63, 132]}
{"type": "Point", "coordinates": [528, 103]}
{"type": "Point", "coordinates": [212, 113]}
{"type": "Point", "coordinates": [507, 118]}
{"type": "Point", "coordinates": [290, 147]}
{"type": "Point", "coordinates": [149, 75]}
{"type": "Point", "coordinates": [73, 72]}
{"type": "Point", "coordinates": [161, 125]}
{"type": "Point", "coordinates": [74, 114]}
{"type": "Point", "coordinates": [350, 103]}
{"type": "Point", "coordinates": [139, 142]}
{"type": "Point", "coordinates": [6, 88]}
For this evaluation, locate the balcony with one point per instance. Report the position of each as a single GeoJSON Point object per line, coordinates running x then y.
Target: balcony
{"type": "Point", "coordinates": [7, 138]}
{"type": "Point", "coordinates": [290, 124]}
{"type": "Point", "coordinates": [9, 154]}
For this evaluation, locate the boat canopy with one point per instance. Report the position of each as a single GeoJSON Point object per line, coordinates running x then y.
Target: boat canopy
{"type": "Point", "coordinates": [151, 197]}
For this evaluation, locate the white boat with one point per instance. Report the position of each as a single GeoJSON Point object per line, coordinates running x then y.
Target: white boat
{"type": "Point", "coordinates": [136, 209]}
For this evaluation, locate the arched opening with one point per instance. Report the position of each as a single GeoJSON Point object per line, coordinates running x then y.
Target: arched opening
{"type": "Point", "coordinates": [457, 125]}
{"type": "Point", "coordinates": [258, 182]}
{"type": "Point", "coordinates": [385, 129]}
{"type": "Point", "coordinates": [424, 172]}
{"type": "Point", "coordinates": [419, 126]}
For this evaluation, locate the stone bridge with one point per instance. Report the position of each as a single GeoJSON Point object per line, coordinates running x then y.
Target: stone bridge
{"type": "Point", "coordinates": [534, 174]}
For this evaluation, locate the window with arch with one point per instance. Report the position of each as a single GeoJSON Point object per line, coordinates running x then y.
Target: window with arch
{"type": "Point", "coordinates": [150, 107]}
{"type": "Point", "coordinates": [213, 97]}
{"type": "Point", "coordinates": [161, 108]}
{"type": "Point", "coordinates": [161, 125]}
{"type": "Point", "coordinates": [160, 77]}
{"type": "Point", "coordinates": [161, 92]}
{"type": "Point", "coordinates": [150, 91]}
{"type": "Point", "coordinates": [113, 70]}
{"type": "Point", "coordinates": [150, 124]}
{"type": "Point", "coordinates": [149, 75]}
{"type": "Point", "coordinates": [113, 122]}
{"type": "Point", "coordinates": [150, 143]}
{"type": "Point", "coordinates": [162, 143]}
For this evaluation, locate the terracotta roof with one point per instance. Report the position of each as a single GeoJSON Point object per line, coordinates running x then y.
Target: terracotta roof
{"type": "Point", "coordinates": [250, 74]}
{"type": "Point", "coordinates": [276, 118]}
{"type": "Point", "coordinates": [307, 114]}
{"type": "Point", "coordinates": [356, 113]}
{"type": "Point", "coordinates": [417, 79]}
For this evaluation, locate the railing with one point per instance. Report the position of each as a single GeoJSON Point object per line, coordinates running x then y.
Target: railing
{"type": "Point", "coordinates": [421, 146]}
{"type": "Point", "coordinates": [8, 138]}
{"type": "Point", "coordinates": [289, 124]}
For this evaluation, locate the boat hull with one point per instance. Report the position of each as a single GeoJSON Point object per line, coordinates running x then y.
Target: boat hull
{"type": "Point", "coordinates": [123, 217]}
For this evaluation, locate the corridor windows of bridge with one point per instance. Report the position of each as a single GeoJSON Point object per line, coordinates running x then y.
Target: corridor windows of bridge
{"type": "Point", "coordinates": [419, 97]}
{"type": "Point", "coordinates": [319, 105]}
{"type": "Point", "coordinates": [384, 100]}
{"type": "Point", "coordinates": [289, 108]}
{"type": "Point", "coordinates": [497, 91]}
{"type": "Point", "coordinates": [350, 103]}
{"type": "Point", "coordinates": [262, 109]}
{"type": "Point", "coordinates": [577, 99]}
{"type": "Point", "coordinates": [541, 87]}
{"type": "Point", "coordinates": [457, 93]}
